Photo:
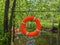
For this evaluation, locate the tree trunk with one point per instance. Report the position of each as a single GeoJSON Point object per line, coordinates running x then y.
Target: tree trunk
{"type": "Point", "coordinates": [12, 14]}
{"type": "Point", "coordinates": [52, 29]}
{"type": "Point", "coordinates": [7, 2]}
{"type": "Point", "coordinates": [6, 16]}
{"type": "Point", "coordinates": [58, 41]}
{"type": "Point", "coordinates": [11, 20]}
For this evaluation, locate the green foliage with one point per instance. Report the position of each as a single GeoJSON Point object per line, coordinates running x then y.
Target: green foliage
{"type": "Point", "coordinates": [31, 26]}
{"type": "Point", "coordinates": [4, 39]}
{"type": "Point", "coordinates": [28, 5]}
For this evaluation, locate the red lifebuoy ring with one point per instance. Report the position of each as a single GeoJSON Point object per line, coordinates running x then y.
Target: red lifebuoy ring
{"type": "Point", "coordinates": [38, 26]}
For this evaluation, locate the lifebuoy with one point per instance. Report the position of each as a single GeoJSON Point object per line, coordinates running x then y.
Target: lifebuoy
{"type": "Point", "coordinates": [38, 26]}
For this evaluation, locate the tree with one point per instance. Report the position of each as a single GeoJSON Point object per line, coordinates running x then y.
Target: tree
{"type": "Point", "coordinates": [12, 14]}
{"type": "Point", "coordinates": [5, 42]}
{"type": "Point", "coordinates": [52, 29]}
{"type": "Point", "coordinates": [6, 16]}
{"type": "Point", "coordinates": [59, 33]}
{"type": "Point", "coordinates": [11, 20]}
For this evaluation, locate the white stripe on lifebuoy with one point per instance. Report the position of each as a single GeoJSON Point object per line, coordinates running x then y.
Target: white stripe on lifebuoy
{"type": "Point", "coordinates": [34, 18]}
{"type": "Point", "coordinates": [23, 22]}
{"type": "Point", "coordinates": [37, 30]}
{"type": "Point", "coordinates": [26, 33]}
